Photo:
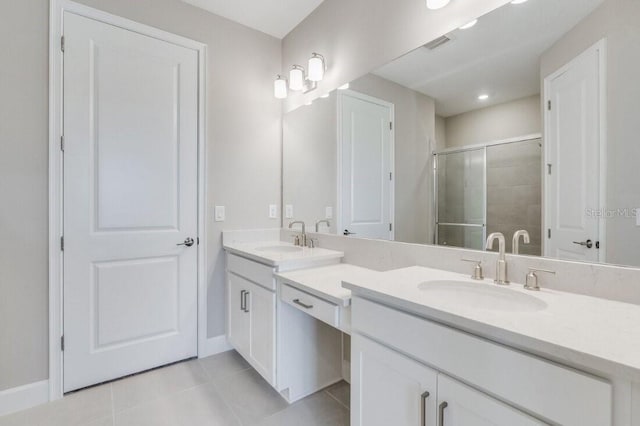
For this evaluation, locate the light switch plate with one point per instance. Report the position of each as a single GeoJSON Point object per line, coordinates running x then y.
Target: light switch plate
{"type": "Point", "coordinates": [288, 211]}
{"type": "Point", "coordinates": [220, 214]}
{"type": "Point", "coordinates": [273, 211]}
{"type": "Point", "coordinates": [328, 213]}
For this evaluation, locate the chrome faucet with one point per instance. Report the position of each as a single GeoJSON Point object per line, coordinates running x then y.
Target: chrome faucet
{"type": "Point", "coordinates": [303, 236]}
{"type": "Point", "coordinates": [322, 221]}
{"type": "Point", "coordinates": [516, 240]}
{"type": "Point", "coordinates": [501, 264]}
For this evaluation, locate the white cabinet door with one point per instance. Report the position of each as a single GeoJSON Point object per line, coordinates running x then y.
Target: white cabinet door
{"type": "Point", "coordinates": [460, 405]}
{"type": "Point", "coordinates": [238, 322]}
{"type": "Point", "coordinates": [389, 388]}
{"type": "Point", "coordinates": [261, 306]}
{"type": "Point", "coordinates": [130, 196]}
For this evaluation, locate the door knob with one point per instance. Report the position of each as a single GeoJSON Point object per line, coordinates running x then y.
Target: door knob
{"type": "Point", "coordinates": [187, 242]}
{"type": "Point", "coordinates": [588, 244]}
{"type": "Point", "coordinates": [347, 233]}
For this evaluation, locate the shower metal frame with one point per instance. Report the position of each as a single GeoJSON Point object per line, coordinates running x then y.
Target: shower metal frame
{"type": "Point", "coordinates": [468, 148]}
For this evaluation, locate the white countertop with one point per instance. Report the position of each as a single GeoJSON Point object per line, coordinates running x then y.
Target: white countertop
{"type": "Point", "coordinates": [303, 257]}
{"type": "Point", "coordinates": [326, 282]}
{"type": "Point", "coordinates": [595, 334]}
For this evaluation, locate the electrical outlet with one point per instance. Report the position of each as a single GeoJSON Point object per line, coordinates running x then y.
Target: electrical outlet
{"type": "Point", "coordinates": [273, 211]}
{"type": "Point", "coordinates": [288, 211]}
{"type": "Point", "coordinates": [220, 214]}
{"type": "Point", "coordinates": [328, 213]}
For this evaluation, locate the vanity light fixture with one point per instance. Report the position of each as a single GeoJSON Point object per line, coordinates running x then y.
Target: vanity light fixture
{"type": "Point", "coordinates": [280, 87]}
{"type": "Point", "coordinates": [296, 78]}
{"type": "Point", "coordinates": [437, 4]}
{"type": "Point", "coordinates": [344, 86]}
{"type": "Point", "coordinates": [469, 25]}
{"type": "Point", "coordinates": [483, 97]}
{"type": "Point", "coordinates": [317, 67]}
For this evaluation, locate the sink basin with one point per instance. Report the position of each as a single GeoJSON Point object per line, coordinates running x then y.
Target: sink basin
{"type": "Point", "coordinates": [280, 249]}
{"type": "Point", "coordinates": [481, 296]}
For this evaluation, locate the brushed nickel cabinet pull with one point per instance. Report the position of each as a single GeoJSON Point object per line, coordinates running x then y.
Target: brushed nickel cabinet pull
{"type": "Point", "coordinates": [441, 413]}
{"type": "Point", "coordinates": [304, 305]}
{"type": "Point", "coordinates": [423, 409]}
{"type": "Point", "coordinates": [246, 308]}
{"type": "Point", "coordinates": [242, 301]}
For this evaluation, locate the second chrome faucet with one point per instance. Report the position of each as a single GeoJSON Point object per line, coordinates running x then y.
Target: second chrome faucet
{"type": "Point", "coordinates": [501, 264]}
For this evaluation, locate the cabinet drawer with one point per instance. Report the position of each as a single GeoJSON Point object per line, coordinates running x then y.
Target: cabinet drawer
{"type": "Point", "coordinates": [551, 391]}
{"type": "Point", "coordinates": [253, 271]}
{"type": "Point", "coordinates": [316, 307]}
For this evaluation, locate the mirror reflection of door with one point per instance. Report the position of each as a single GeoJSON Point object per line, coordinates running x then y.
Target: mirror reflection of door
{"type": "Point", "coordinates": [573, 175]}
{"type": "Point", "coordinates": [366, 166]}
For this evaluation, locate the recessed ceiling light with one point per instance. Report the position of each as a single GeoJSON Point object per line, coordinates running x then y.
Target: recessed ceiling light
{"type": "Point", "coordinates": [483, 97]}
{"type": "Point", "coordinates": [518, 1]}
{"type": "Point", "coordinates": [437, 4]}
{"type": "Point", "coordinates": [469, 25]}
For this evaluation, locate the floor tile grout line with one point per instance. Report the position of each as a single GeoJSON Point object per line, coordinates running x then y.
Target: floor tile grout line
{"type": "Point", "coordinates": [336, 399]}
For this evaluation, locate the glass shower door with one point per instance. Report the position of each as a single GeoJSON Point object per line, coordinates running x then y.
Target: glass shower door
{"type": "Point", "coordinates": [461, 198]}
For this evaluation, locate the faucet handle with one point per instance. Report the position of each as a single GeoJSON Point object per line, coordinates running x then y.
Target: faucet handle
{"type": "Point", "coordinates": [532, 279]}
{"type": "Point", "coordinates": [296, 240]}
{"type": "Point", "coordinates": [477, 269]}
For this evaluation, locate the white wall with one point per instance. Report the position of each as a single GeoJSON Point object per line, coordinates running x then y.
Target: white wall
{"type": "Point", "coordinates": [358, 36]}
{"type": "Point", "coordinates": [23, 191]}
{"type": "Point", "coordinates": [498, 122]}
{"type": "Point", "coordinates": [617, 20]}
{"type": "Point", "coordinates": [244, 157]}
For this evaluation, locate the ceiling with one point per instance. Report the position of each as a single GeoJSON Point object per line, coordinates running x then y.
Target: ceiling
{"type": "Point", "coordinates": [274, 17]}
{"type": "Point", "coordinates": [499, 56]}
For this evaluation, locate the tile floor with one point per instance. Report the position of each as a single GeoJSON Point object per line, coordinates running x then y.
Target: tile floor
{"type": "Point", "coordinates": [217, 391]}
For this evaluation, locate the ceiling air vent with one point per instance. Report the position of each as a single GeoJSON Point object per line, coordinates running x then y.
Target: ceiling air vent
{"type": "Point", "coordinates": [440, 41]}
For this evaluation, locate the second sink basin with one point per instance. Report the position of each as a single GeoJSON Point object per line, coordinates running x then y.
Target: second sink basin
{"type": "Point", "coordinates": [280, 249]}
{"type": "Point", "coordinates": [481, 296]}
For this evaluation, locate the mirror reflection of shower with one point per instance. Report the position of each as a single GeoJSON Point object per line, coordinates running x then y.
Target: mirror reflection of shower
{"type": "Point", "coordinates": [494, 187]}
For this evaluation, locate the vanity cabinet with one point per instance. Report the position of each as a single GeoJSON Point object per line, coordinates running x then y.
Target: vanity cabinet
{"type": "Point", "coordinates": [394, 351]}
{"type": "Point", "coordinates": [390, 388]}
{"type": "Point", "coordinates": [252, 314]}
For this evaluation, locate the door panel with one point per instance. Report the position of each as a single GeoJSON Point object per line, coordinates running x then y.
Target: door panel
{"type": "Point", "coordinates": [130, 195]}
{"type": "Point", "coordinates": [466, 406]}
{"type": "Point", "coordinates": [238, 322]}
{"type": "Point", "coordinates": [261, 306]}
{"type": "Point", "coordinates": [390, 389]}
{"type": "Point", "coordinates": [366, 167]}
{"type": "Point", "coordinates": [573, 157]}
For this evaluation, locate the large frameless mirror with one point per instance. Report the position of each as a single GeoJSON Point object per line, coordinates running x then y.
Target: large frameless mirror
{"type": "Point", "coordinates": [524, 120]}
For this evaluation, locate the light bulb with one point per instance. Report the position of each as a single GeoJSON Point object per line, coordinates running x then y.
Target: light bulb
{"type": "Point", "coordinates": [316, 67]}
{"type": "Point", "coordinates": [296, 78]}
{"type": "Point", "coordinates": [437, 4]}
{"type": "Point", "coordinates": [280, 88]}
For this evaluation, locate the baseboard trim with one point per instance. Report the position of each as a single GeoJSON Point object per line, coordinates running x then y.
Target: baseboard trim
{"type": "Point", "coordinates": [23, 397]}
{"type": "Point", "coordinates": [214, 345]}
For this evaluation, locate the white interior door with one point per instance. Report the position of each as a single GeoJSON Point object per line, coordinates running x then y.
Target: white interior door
{"type": "Point", "coordinates": [573, 174]}
{"type": "Point", "coordinates": [366, 166]}
{"type": "Point", "coordinates": [130, 195]}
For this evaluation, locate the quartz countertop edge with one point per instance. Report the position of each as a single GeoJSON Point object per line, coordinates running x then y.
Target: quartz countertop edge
{"type": "Point", "coordinates": [571, 356]}
{"type": "Point", "coordinates": [325, 282]}
{"type": "Point", "coordinates": [298, 258]}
